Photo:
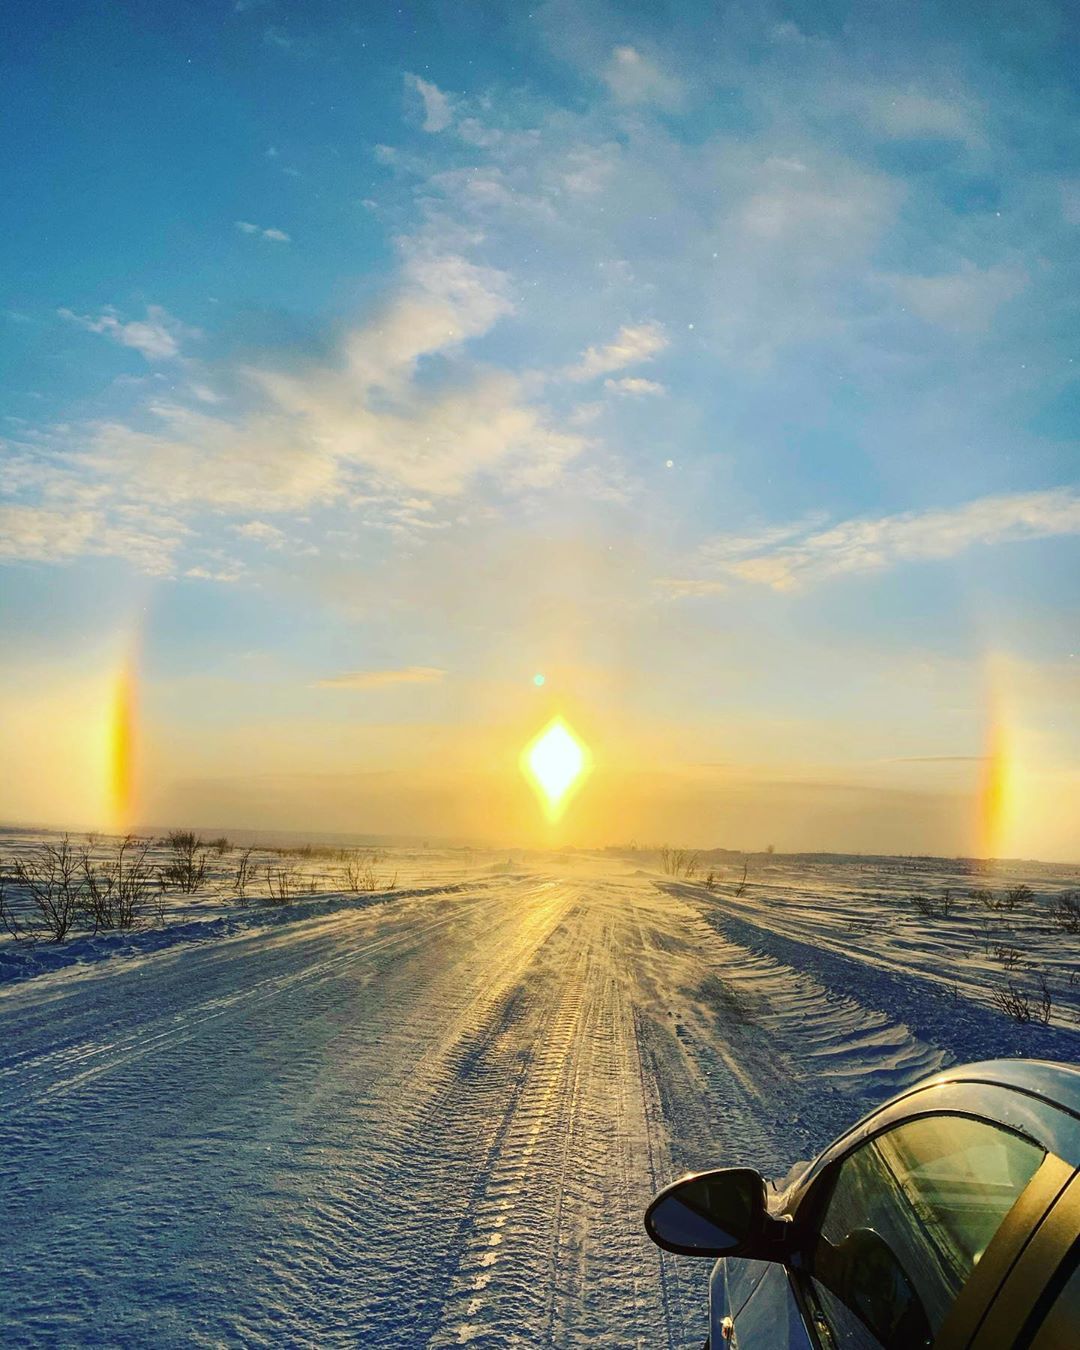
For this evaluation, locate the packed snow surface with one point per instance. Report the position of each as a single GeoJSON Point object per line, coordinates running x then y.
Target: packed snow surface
{"type": "Point", "coordinates": [432, 1116]}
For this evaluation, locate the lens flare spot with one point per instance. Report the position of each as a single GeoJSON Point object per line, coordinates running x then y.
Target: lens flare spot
{"type": "Point", "coordinates": [538, 679]}
{"type": "Point", "coordinates": [555, 763]}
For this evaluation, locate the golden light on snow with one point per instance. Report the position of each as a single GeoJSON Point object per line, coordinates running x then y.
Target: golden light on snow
{"type": "Point", "coordinates": [555, 763]}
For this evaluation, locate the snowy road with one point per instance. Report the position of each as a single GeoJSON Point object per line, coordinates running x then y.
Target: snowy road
{"type": "Point", "coordinates": [429, 1122]}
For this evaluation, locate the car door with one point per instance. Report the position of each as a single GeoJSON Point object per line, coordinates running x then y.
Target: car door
{"type": "Point", "coordinates": [769, 1318]}
{"type": "Point", "coordinates": [894, 1230]}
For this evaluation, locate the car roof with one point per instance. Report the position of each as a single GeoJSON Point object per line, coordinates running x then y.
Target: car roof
{"type": "Point", "coordinates": [1053, 1083]}
{"type": "Point", "coordinates": [1049, 1079]}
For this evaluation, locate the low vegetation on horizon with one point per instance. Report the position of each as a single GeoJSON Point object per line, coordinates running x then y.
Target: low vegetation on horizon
{"type": "Point", "coordinates": [59, 888]}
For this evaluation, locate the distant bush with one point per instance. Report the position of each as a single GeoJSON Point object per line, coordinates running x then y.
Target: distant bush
{"type": "Point", "coordinates": [54, 883]}
{"type": "Point", "coordinates": [1012, 899]}
{"type": "Point", "coordinates": [243, 877]}
{"type": "Point", "coordinates": [678, 862]}
{"type": "Point", "coordinates": [930, 908]}
{"type": "Point", "coordinates": [1023, 1006]}
{"type": "Point", "coordinates": [186, 869]}
{"type": "Point", "coordinates": [1065, 912]}
{"type": "Point", "coordinates": [360, 875]}
{"type": "Point", "coordinates": [221, 845]}
{"type": "Point", "coordinates": [282, 883]}
{"type": "Point", "coordinates": [118, 888]}
{"type": "Point", "coordinates": [7, 919]}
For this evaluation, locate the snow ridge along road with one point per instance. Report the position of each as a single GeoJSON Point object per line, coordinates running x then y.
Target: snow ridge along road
{"type": "Point", "coordinates": [430, 1122]}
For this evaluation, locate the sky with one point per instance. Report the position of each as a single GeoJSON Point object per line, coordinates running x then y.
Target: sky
{"type": "Point", "coordinates": [717, 362]}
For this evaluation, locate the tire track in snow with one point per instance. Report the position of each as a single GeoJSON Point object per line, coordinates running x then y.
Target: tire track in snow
{"type": "Point", "coordinates": [239, 1077]}
{"type": "Point", "coordinates": [434, 1123]}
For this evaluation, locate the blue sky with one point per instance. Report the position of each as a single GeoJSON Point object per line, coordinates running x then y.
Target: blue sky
{"type": "Point", "coordinates": [359, 361]}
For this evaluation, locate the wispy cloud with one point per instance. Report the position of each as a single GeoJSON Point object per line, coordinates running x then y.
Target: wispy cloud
{"type": "Point", "coordinates": [912, 113]}
{"type": "Point", "coordinates": [939, 759]}
{"type": "Point", "coordinates": [225, 575]}
{"type": "Point", "coordinates": [435, 104]}
{"type": "Point", "coordinates": [790, 557]}
{"type": "Point", "coordinates": [360, 430]}
{"type": "Point", "coordinates": [964, 300]}
{"type": "Point", "coordinates": [157, 337]}
{"type": "Point", "coordinates": [59, 532]}
{"type": "Point", "coordinates": [633, 344]}
{"type": "Point", "coordinates": [380, 679]}
{"type": "Point", "coordinates": [633, 385]}
{"type": "Point", "coordinates": [633, 78]}
{"type": "Point", "coordinates": [260, 532]}
{"type": "Point", "coordinates": [273, 235]}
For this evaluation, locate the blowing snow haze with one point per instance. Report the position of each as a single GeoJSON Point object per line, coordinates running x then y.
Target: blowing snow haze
{"type": "Point", "coordinates": [383, 385]}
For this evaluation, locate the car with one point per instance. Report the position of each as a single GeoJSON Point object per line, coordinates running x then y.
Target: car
{"type": "Point", "coordinates": [947, 1218]}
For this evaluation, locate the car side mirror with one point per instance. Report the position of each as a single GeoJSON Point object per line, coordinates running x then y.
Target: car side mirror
{"type": "Point", "coordinates": [714, 1214]}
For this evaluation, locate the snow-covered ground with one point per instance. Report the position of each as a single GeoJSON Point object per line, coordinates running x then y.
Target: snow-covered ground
{"type": "Point", "coordinates": [433, 1115]}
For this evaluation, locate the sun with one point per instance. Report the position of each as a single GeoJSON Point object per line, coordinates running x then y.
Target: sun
{"type": "Point", "coordinates": [555, 762]}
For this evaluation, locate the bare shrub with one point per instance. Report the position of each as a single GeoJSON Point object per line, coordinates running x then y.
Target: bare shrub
{"type": "Point", "coordinates": [1008, 957]}
{"type": "Point", "coordinates": [1065, 912]}
{"type": "Point", "coordinates": [1015, 897]}
{"type": "Point", "coordinates": [1023, 1006]}
{"type": "Point", "coordinates": [243, 877]}
{"type": "Point", "coordinates": [741, 887]}
{"type": "Point", "coordinates": [360, 874]}
{"type": "Point", "coordinates": [931, 908]}
{"type": "Point", "coordinates": [1013, 1002]}
{"type": "Point", "coordinates": [117, 889]}
{"type": "Point", "coordinates": [7, 918]}
{"type": "Point", "coordinates": [53, 881]}
{"type": "Point", "coordinates": [283, 883]}
{"type": "Point", "coordinates": [186, 869]}
{"type": "Point", "coordinates": [221, 845]}
{"type": "Point", "coordinates": [1045, 1005]}
{"type": "Point", "coordinates": [678, 862]}
{"type": "Point", "coordinates": [710, 880]}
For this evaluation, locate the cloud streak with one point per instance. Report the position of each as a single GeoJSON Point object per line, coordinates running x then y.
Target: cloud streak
{"type": "Point", "coordinates": [157, 337]}
{"type": "Point", "coordinates": [438, 114]}
{"type": "Point", "coordinates": [634, 79]}
{"type": "Point", "coordinates": [792, 557]}
{"type": "Point", "coordinates": [632, 345]}
{"type": "Point", "coordinates": [382, 679]}
{"type": "Point", "coordinates": [273, 236]}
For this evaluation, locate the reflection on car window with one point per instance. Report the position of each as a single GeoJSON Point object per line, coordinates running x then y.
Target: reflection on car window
{"type": "Point", "coordinates": [909, 1216]}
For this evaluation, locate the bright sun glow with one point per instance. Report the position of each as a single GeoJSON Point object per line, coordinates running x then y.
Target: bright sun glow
{"type": "Point", "coordinates": [554, 762]}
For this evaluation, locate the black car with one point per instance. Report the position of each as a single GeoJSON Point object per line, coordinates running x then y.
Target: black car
{"type": "Point", "coordinates": [949, 1217]}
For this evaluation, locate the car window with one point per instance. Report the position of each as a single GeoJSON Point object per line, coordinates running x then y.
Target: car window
{"type": "Point", "coordinates": [908, 1218]}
